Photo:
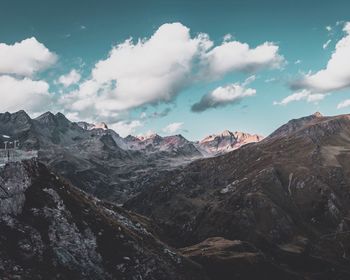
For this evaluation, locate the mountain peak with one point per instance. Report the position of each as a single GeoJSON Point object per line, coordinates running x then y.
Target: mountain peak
{"type": "Point", "coordinates": [91, 126]}
{"type": "Point", "coordinates": [61, 116]}
{"type": "Point", "coordinates": [226, 133]}
{"type": "Point", "coordinates": [47, 115]}
{"type": "Point", "coordinates": [101, 125]}
{"type": "Point", "coordinates": [317, 114]}
{"type": "Point", "coordinates": [148, 136]}
{"type": "Point", "coordinates": [21, 113]}
{"type": "Point", "coordinates": [226, 141]}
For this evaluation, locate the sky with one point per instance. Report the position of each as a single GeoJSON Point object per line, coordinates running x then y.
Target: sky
{"type": "Point", "coordinates": [176, 67]}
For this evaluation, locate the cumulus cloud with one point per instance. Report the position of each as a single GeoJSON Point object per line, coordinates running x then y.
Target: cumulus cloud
{"type": "Point", "coordinates": [344, 104]}
{"type": "Point", "coordinates": [125, 128]}
{"type": "Point", "coordinates": [314, 87]}
{"type": "Point", "coordinates": [25, 58]}
{"type": "Point", "coordinates": [336, 75]}
{"type": "Point", "coordinates": [154, 70]}
{"type": "Point", "coordinates": [237, 56]}
{"type": "Point", "coordinates": [134, 74]}
{"type": "Point", "coordinates": [222, 96]}
{"type": "Point", "coordinates": [23, 94]}
{"type": "Point", "coordinates": [305, 95]}
{"type": "Point", "coordinates": [173, 127]}
{"type": "Point", "coordinates": [73, 77]}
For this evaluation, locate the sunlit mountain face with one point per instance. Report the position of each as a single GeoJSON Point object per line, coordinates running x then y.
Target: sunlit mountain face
{"type": "Point", "coordinates": [174, 140]}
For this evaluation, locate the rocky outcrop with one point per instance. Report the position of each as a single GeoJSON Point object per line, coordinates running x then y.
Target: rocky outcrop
{"type": "Point", "coordinates": [225, 142]}
{"type": "Point", "coordinates": [51, 230]}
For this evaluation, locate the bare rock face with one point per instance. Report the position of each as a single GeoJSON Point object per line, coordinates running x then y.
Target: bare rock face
{"type": "Point", "coordinates": [225, 142]}
{"type": "Point", "coordinates": [174, 146]}
{"type": "Point", "coordinates": [50, 230]}
{"type": "Point", "coordinates": [13, 184]}
{"type": "Point", "coordinates": [90, 126]}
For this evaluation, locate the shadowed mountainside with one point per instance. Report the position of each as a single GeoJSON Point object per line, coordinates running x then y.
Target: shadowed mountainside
{"type": "Point", "coordinates": [93, 158]}
{"type": "Point", "coordinates": [287, 195]}
{"type": "Point", "coordinates": [51, 230]}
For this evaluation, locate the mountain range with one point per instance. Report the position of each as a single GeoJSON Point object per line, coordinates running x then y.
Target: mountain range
{"type": "Point", "coordinates": [94, 157]}
{"type": "Point", "coordinates": [287, 196]}
{"type": "Point", "coordinates": [251, 208]}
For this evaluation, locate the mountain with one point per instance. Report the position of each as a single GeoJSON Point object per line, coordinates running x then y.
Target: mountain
{"type": "Point", "coordinates": [175, 145]}
{"type": "Point", "coordinates": [226, 141]}
{"type": "Point", "coordinates": [95, 158]}
{"type": "Point", "coordinates": [296, 124]}
{"type": "Point", "coordinates": [90, 126]}
{"type": "Point", "coordinates": [287, 196]}
{"type": "Point", "coordinates": [51, 230]}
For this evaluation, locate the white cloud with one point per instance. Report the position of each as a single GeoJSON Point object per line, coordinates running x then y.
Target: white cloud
{"type": "Point", "coordinates": [173, 127]}
{"type": "Point", "coordinates": [328, 28]}
{"type": "Point", "coordinates": [73, 77]}
{"type": "Point", "coordinates": [222, 96]}
{"type": "Point", "coordinates": [298, 61]}
{"type": "Point", "coordinates": [125, 128]}
{"type": "Point", "coordinates": [347, 27]}
{"type": "Point", "coordinates": [325, 45]}
{"type": "Point", "coordinates": [336, 75]}
{"type": "Point", "coordinates": [73, 116]}
{"type": "Point", "coordinates": [344, 104]}
{"type": "Point", "coordinates": [249, 80]}
{"type": "Point", "coordinates": [228, 37]}
{"type": "Point", "coordinates": [314, 87]}
{"type": "Point", "coordinates": [25, 58]}
{"type": "Point", "coordinates": [237, 56]}
{"type": "Point", "coordinates": [23, 94]}
{"type": "Point", "coordinates": [154, 70]}
{"type": "Point", "coordinates": [305, 95]}
{"type": "Point", "coordinates": [134, 74]}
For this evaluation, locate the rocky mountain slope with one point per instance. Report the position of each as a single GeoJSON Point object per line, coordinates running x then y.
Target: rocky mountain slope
{"type": "Point", "coordinates": [94, 158]}
{"type": "Point", "coordinates": [287, 196]}
{"type": "Point", "coordinates": [175, 145]}
{"type": "Point", "coordinates": [51, 230]}
{"type": "Point", "coordinates": [226, 141]}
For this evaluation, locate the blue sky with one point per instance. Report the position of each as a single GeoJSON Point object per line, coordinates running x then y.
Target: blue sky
{"type": "Point", "coordinates": [77, 35]}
